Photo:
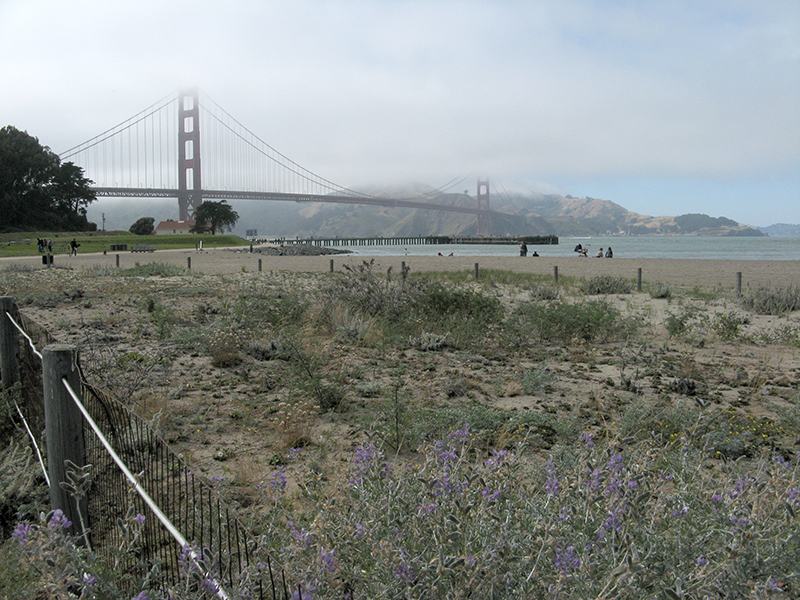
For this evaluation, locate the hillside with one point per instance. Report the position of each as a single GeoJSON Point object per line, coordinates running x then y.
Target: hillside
{"type": "Point", "coordinates": [532, 214]}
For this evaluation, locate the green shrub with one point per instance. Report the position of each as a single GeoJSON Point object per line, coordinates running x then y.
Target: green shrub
{"type": "Point", "coordinates": [605, 284]}
{"type": "Point", "coordinates": [593, 321]}
{"type": "Point", "coordinates": [660, 290]}
{"type": "Point", "coordinates": [772, 301]}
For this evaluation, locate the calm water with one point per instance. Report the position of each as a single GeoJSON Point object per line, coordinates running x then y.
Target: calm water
{"type": "Point", "coordinates": [747, 248]}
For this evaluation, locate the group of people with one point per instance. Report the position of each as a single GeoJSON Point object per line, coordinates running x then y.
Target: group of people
{"type": "Point", "coordinates": [523, 250]}
{"type": "Point", "coordinates": [584, 252]}
{"type": "Point", "coordinates": [46, 245]}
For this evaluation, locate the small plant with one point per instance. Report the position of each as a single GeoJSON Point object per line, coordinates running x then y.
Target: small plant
{"type": "Point", "coordinates": [605, 284]}
{"type": "Point", "coordinates": [537, 379]}
{"type": "Point", "coordinates": [593, 321]}
{"type": "Point", "coordinates": [728, 325]}
{"type": "Point", "coordinates": [294, 421]}
{"type": "Point", "coordinates": [429, 342]}
{"type": "Point", "coordinates": [772, 301]}
{"type": "Point", "coordinates": [686, 321]}
{"type": "Point", "coordinates": [660, 290]}
{"type": "Point", "coordinates": [224, 346]}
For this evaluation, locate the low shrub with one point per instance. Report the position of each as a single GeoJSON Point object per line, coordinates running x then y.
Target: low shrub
{"type": "Point", "coordinates": [660, 290]}
{"type": "Point", "coordinates": [772, 301]}
{"type": "Point", "coordinates": [605, 284]}
{"type": "Point", "coordinates": [592, 321]}
{"type": "Point", "coordinates": [595, 519]}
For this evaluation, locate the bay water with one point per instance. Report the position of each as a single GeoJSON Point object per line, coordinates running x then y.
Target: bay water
{"type": "Point", "coordinates": [681, 247]}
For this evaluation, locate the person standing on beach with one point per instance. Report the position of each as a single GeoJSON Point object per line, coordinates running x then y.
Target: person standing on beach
{"type": "Point", "coordinates": [73, 247]}
{"type": "Point", "coordinates": [609, 253]}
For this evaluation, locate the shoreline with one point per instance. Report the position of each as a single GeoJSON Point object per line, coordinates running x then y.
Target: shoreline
{"type": "Point", "coordinates": [704, 273]}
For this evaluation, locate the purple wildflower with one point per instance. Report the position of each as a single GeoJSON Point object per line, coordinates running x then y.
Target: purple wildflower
{"type": "Point", "coordinates": [496, 460]}
{"type": "Point", "coordinates": [461, 435]}
{"type": "Point", "coordinates": [426, 509]}
{"type": "Point", "coordinates": [566, 560]}
{"type": "Point", "coordinates": [139, 518]}
{"type": "Point", "coordinates": [326, 558]}
{"type": "Point", "coordinates": [21, 532]}
{"type": "Point", "coordinates": [586, 438]}
{"type": "Point", "coordinates": [615, 464]}
{"type": "Point", "coordinates": [302, 536]}
{"type": "Point", "coordinates": [278, 481]}
{"type": "Point", "coordinates": [141, 596]}
{"type": "Point", "coordinates": [489, 495]}
{"type": "Point", "coordinates": [405, 573]}
{"type": "Point", "coordinates": [551, 486]}
{"type": "Point", "coordinates": [59, 520]}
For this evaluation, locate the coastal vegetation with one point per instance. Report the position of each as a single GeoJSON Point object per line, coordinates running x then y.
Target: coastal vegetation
{"type": "Point", "coordinates": [402, 434]}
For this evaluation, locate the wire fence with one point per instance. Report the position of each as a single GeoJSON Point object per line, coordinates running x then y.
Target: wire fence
{"type": "Point", "coordinates": [134, 471]}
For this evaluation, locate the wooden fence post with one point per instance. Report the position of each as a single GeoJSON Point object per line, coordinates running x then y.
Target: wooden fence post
{"type": "Point", "coordinates": [331, 265]}
{"type": "Point", "coordinates": [259, 265]}
{"type": "Point", "coordinates": [189, 263]}
{"type": "Point", "coordinates": [639, 280]}
{"type": "Point", "coordinates": [738, 283]}
{"type": "Point", "coordinates": [63, 427]}
{"type": "Point", "coordinates": [555, 274]}
{"type": "Point", "coordinates": [9, 343]}
{"type": "Point", "coordinates": [476, 270]}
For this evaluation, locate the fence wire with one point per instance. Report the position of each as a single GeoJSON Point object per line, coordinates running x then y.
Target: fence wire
{"type": "Point", "coordinates": [234, 555]}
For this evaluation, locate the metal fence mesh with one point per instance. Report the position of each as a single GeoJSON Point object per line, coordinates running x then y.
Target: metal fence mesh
{"type": "Point", "coordinates": [234, 555]}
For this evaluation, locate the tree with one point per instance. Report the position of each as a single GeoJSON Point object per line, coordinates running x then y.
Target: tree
{"type": "Point", "coordinates": [37, 190]}
{"type": "Point", "coordinates": [211, 216]}
{"type": "Point", "coordinates": [143, 226]}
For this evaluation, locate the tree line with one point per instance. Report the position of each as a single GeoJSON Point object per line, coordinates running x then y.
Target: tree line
{"type": "Point", "coordinates": [37, 190]}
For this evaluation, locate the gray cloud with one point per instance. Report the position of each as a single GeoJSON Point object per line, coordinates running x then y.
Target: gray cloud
{"type": "Point", "coordinates": [563, 92]}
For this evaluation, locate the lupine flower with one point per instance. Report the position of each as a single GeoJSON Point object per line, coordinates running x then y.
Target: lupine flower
{"type": "Point", "coordinates": [21, 532]}
{"type": "Point", "coordinates": [139, 518]}
{"type": "Point", "coordinates": [278, 482]}
{"type": "Point", "coordinates": [566, 560]}
{"type": "Point", "coordinates": [59, 520]}
{"type": "Point", "coordinates": [327, 560]}
{"type": "Point", "coordinates": [405, 573]}
{"type": "Point", "coordinates": [551, 486]}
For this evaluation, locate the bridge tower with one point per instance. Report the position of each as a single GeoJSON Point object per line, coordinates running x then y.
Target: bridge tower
{"type": "Point", "coordinates": [190, 194]}
{"type": "Point", "coordinates": [483, 204]}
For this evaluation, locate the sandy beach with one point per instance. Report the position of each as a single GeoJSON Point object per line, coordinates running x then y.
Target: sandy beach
{"type": "Point", "coordinates": [688, 273]}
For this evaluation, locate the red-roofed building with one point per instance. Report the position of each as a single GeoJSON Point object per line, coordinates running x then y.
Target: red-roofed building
{"type": "Point", "coordinates": [171, 227]}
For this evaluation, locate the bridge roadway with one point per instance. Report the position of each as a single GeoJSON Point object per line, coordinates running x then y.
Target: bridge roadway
{"type": "Point", "coordinates": [118, 192]}
{"type": "Point", "coordinates": [531, 240]}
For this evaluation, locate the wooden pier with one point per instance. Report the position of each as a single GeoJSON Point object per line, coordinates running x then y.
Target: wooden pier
{"type": "Point", "coordinates": [530, 240]}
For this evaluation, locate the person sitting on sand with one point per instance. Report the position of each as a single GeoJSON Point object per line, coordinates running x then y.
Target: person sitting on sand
{"type": "Point", "coordinates": [535, 253]}
{"type": "Point", "coordinates": [583, 252]}
{"type": "Point", "coordinates": [599, 253]}
{"type": "Point", "coordinates": [609, 253]}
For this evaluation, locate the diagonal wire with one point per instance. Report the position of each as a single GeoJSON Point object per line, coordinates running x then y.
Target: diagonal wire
{"type": "Point", "coordinates": [35, 445]}
{"type": "Point", "coordinates": [27, 337]}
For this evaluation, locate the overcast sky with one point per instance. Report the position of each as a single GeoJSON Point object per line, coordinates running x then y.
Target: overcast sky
{"type": "Point", "coordinates": [665, 107]}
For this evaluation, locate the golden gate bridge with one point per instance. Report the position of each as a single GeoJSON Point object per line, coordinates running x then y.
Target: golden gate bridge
{"type": "Point", "coordinates": [157, 154]}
